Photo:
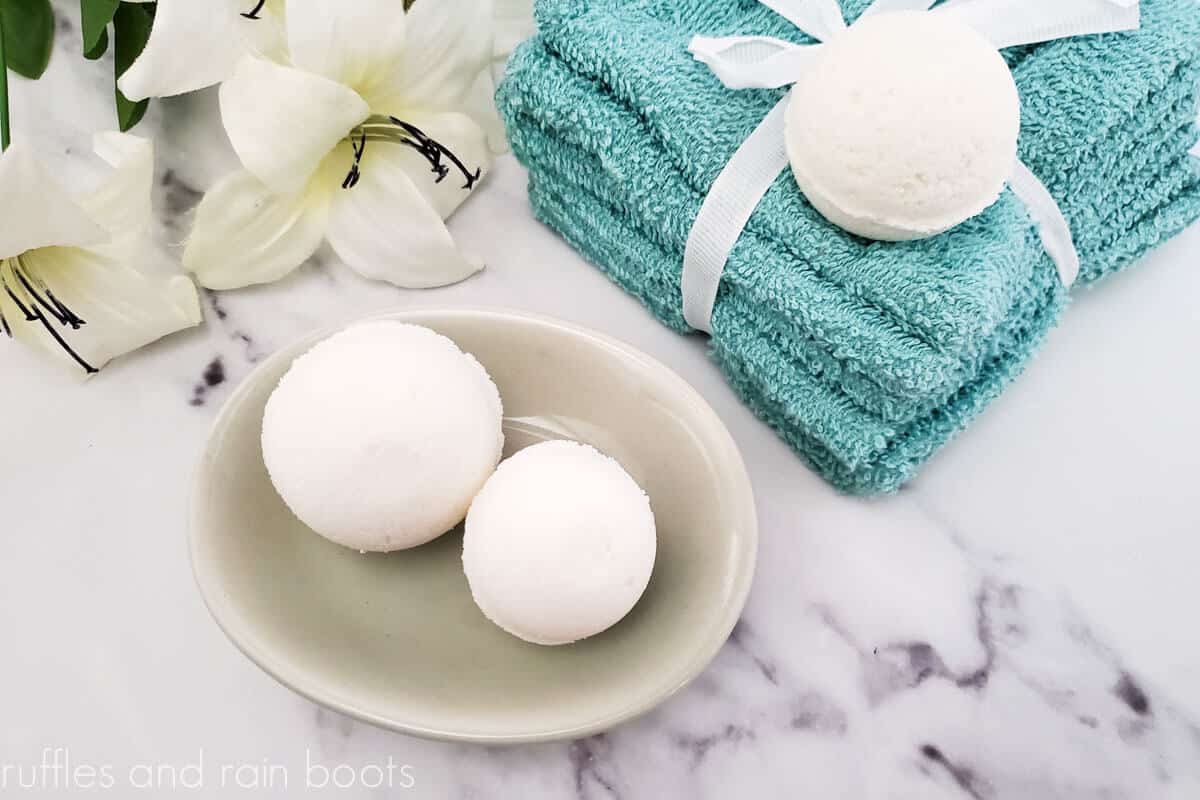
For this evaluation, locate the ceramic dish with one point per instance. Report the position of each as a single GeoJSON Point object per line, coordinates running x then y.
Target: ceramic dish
{"type": "Point", "coordinates": [396, 640]}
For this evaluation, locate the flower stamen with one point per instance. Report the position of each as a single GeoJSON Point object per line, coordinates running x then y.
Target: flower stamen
{"type": "Point", "coordinates": [355, 173]}
{"type": "Point", "coordinates": [384, 129]}
{"type": "Point", "coordinates": [433, 150]}
{"type": "Point", "coordinates": [253, 13]}
{"type": "Point", "coordinates": [61, 313]}
{"type": "Point", "coordinates": [36, 306]}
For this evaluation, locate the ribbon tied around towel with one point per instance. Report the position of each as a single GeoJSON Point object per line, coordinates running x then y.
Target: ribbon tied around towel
{"type": "Point", "coordinates": [763, 62]}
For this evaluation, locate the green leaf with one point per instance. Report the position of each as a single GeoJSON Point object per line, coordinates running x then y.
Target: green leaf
{"type": "Point", "coordinates": [131, 26]}
{"type": "Point", "coordinates": [101, 46]}
{"type": "Point", "coordinates": [96, 15]}
{"type": "Point", "coordinates": [28, 35]}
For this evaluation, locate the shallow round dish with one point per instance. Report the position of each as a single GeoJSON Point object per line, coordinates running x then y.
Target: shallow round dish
{"type": "Point", "coordinates": [395, 639]}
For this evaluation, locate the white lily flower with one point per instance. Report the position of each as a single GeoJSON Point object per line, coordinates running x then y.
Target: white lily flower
{"type": "Point", "coordinates": [198, 43]}
{"type": "Point", "coordinates": [72, 269]}
{"type": "Point", "coordinates": [361, 139]}
{"type": "Point", "coordinates": [514, 24]}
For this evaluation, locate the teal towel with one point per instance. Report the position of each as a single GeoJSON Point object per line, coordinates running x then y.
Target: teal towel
{"type": "Point", "coordinates": [865, 356]}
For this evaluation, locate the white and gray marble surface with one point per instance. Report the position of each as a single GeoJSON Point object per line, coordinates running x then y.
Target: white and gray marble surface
{"type": "Point", "coordinates": [1018, 623]}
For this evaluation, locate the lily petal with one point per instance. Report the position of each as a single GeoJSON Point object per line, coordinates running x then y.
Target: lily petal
{"type": "Point", "coordinates": [122, 202]}
{"type": "Point", "coordinates": [282, 121]}
{"type": "Point", "coordinates": [449, 44]}
{"type": "Point", "coordinates": [514, 24]}
{"type": "Point", "coordinates": [459, 134]}
{"type": "Point", "coordinates": [383, 228]}
{"type": "Point", "coordinates": [116, 306]}
{"type": "Point", "coordinates": [245, 234]}
{"type": "Point", "coordinates": [35, 210]}
{"type": "Point", "coordinates": [192, 45]}
{"type": "Point", "coordinates": [480, 106]}
{"type": "Point", "coordinates": [358, 44]}
{"type": "Point", "coordinates": [266, 30]}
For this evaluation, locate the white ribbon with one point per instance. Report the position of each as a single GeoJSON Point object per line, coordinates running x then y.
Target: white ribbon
{"type": "Point", "coordinates": [763, 62]}
{"type": "Point", "coordinates": [884, 6]}
{"type": "Point", "coordinates": [726, 210]}
{"type": "Point", "coordinates": [752, 62]}
{"type": "Point", "coordinates": [1052, 225]}
{"type": "Point", "coordinates": [820, 19]}
{"type": "Point", "coordinates": [1007, 23]}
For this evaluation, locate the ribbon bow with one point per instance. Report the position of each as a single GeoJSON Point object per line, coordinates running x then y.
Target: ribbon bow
{"type": "Point", "coordinates": [764, 62]}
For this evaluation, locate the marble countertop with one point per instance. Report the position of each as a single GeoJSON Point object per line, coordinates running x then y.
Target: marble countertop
{"type": "Point", "coordinates": [1015, 624]}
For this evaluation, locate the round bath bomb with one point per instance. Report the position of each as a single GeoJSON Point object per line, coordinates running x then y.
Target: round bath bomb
{"type": "Point", "coordinates": [560, 543]}
{"type": "Point", "coordinates": [904, 126]}
{"type": "Point", "coordinates": [379, 437]}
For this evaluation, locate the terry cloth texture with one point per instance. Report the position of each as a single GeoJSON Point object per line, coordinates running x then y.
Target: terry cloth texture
{"type": "Point", "coordinates": [865, 356]}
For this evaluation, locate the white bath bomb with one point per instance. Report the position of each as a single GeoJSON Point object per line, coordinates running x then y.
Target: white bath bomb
{"type": "Point", "coordinates": [904, 126]}
{"type": "Point", "coordinates": [379, 437]}
{"type": "Point", "coordinates": [560, 543]}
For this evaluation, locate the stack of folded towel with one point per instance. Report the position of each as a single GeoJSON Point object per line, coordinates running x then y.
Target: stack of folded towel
{"type": "Point", "coordinates": [865, 356]}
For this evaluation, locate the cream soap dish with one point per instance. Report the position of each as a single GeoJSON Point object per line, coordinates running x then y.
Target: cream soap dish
{"type": "Point", "coordinates": [396, 638]}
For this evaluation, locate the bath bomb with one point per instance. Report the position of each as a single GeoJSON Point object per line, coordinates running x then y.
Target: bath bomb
{"type": "Point", "coordinates": [379, 437]}
{"type": "Point", "coordinates": [903, 126]}
{"type": "Point", "coordinates": [560, 543]}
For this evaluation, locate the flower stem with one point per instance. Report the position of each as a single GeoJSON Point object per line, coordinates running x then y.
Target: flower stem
{"type": "Point", "coordinates": [3, 90]}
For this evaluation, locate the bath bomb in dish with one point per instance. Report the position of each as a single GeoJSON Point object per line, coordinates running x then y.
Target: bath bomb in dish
{"type": "Point", "coordinates": [903, 126]}
{"type": "Point", "coordinates": [560, 543]}
{"type": "Point", "coordinates": [379, 437]}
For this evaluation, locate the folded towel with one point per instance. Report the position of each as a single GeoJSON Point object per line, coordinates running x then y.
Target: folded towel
{"type": "Point", "coordinates": [865, 356]}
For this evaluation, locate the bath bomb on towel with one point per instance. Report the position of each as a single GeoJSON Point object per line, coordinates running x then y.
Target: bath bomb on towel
{"type": "Point", "coordinates": [903, 126]}
{"type": "Point", "coordinates": [560, 543]}
{"type": "Point", "coordinates": [379, 437]}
